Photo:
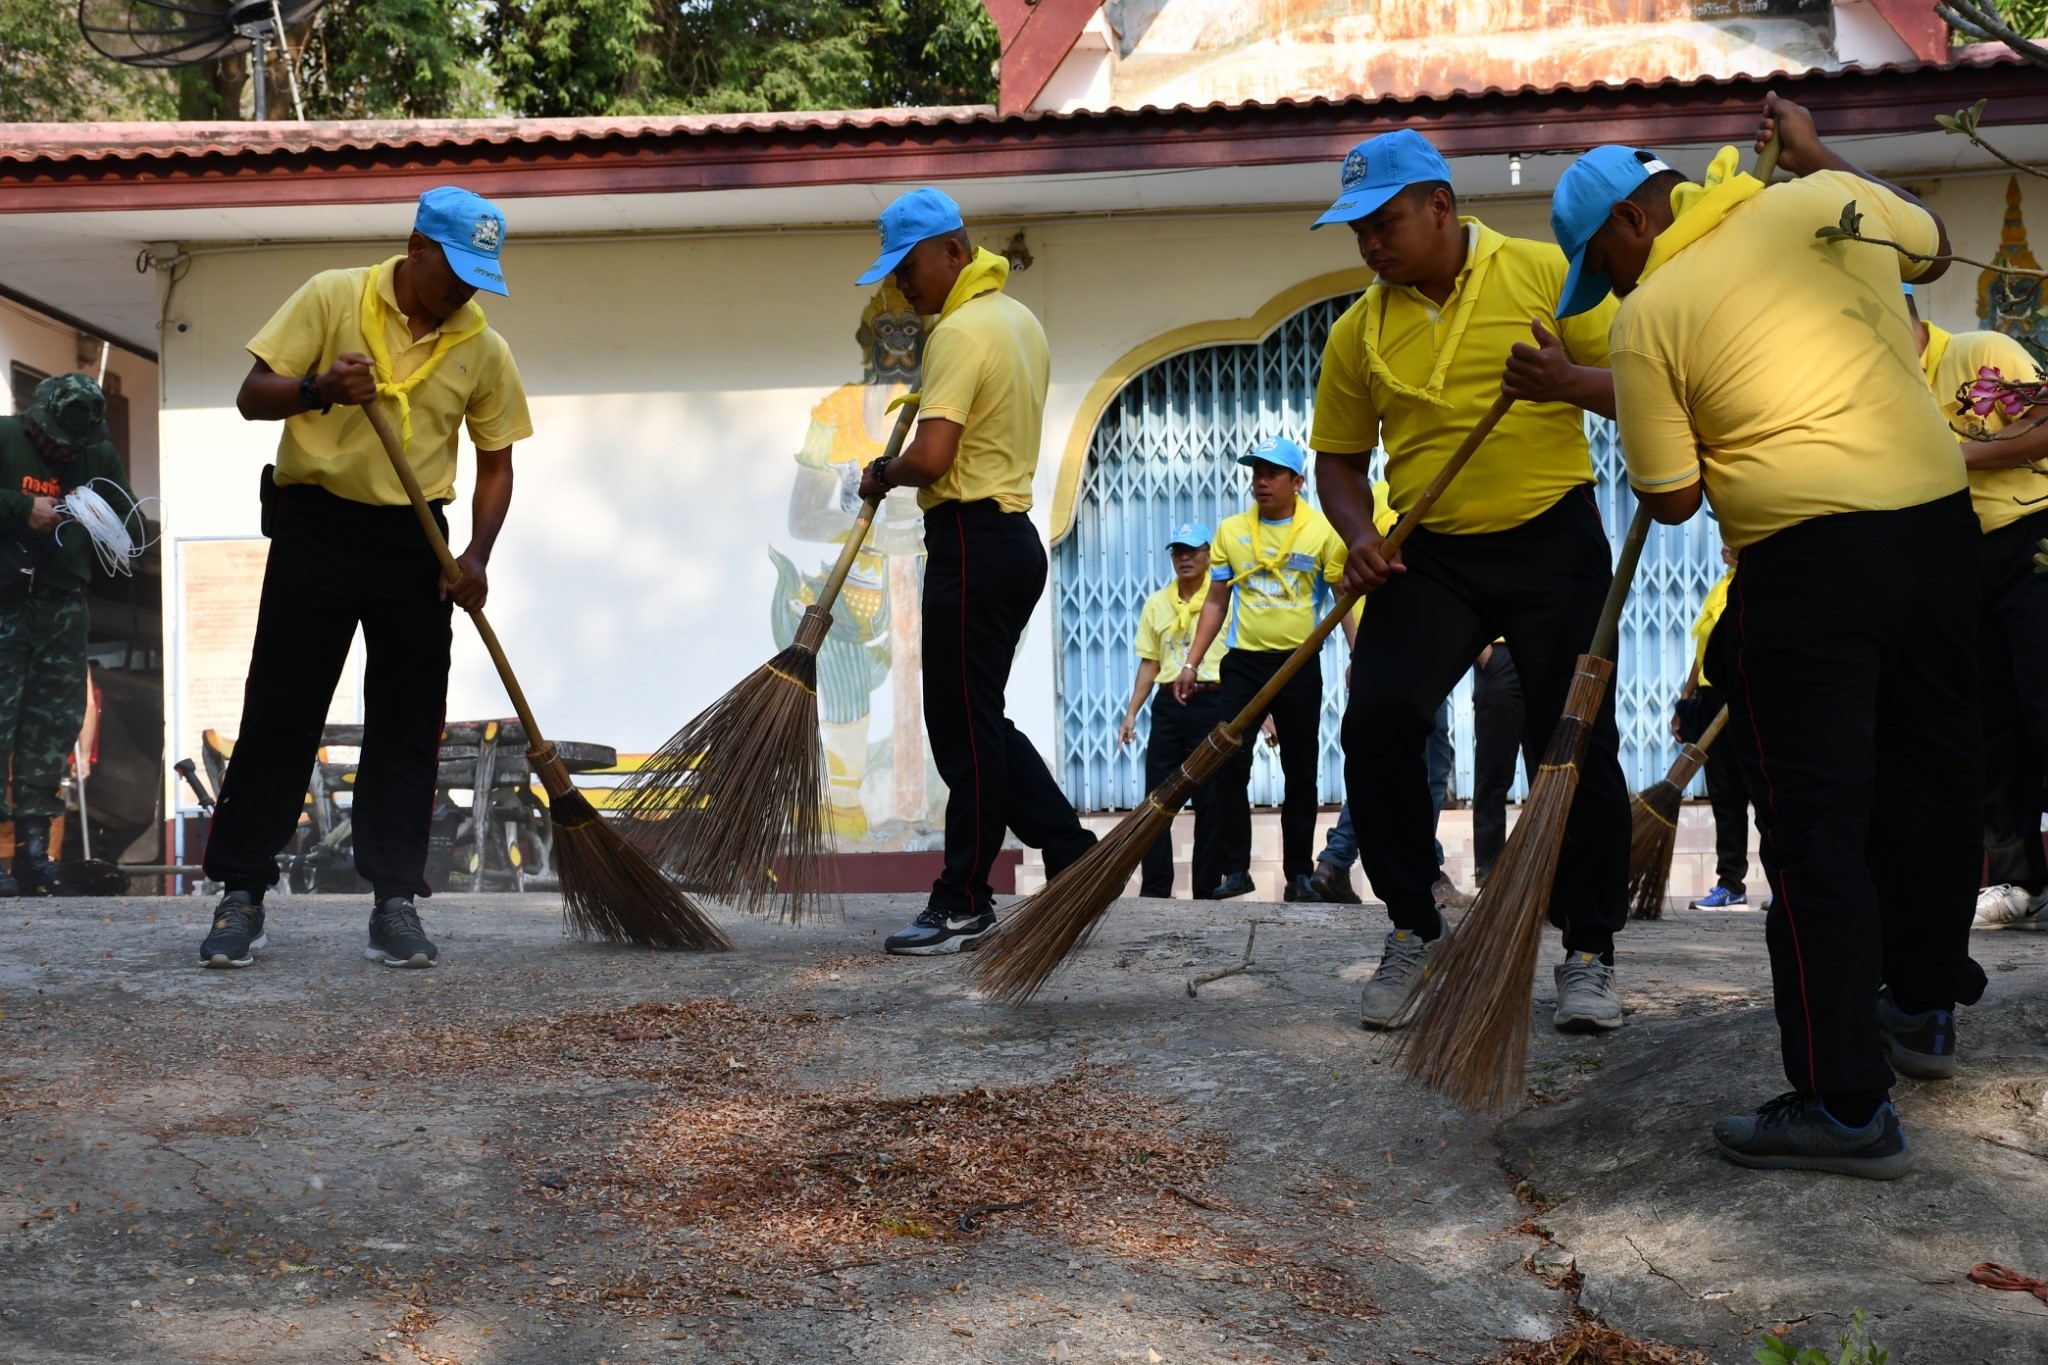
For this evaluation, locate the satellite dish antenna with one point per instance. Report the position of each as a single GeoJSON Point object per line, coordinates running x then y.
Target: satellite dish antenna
{"type": "Point", "coordinates": [173, 33]}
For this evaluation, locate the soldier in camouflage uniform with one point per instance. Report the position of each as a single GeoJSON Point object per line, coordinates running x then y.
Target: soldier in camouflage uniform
{"type": "Point", "coordinates": [60, 443]}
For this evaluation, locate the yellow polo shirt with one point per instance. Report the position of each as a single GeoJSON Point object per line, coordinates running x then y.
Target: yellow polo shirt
{"type": "Point", "coordinates": [1457, 353]}
{"type": "Point", "coordinates": [986, 367]}
{"type": "Point", "coordinates": [1166, 632]}
{"type": "Point", "coordinates": [1781, 364]}
{"type": "Point", "coordinates": [1281, 572]}
{"type": "Point", "coordinates": [1952, 361]}
{"type": "Point", "coordinates": [476, 383]}
{"type": "Point", "coordinates": [1710, 615]}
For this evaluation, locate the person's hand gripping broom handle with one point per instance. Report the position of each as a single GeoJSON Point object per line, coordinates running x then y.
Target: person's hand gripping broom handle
{"type": "Point", "coordinates": [817, 619]}
{"type": "Point", "coordinates": [1692, 757]}
{"type": "Point", "coordinates": [552, 774]}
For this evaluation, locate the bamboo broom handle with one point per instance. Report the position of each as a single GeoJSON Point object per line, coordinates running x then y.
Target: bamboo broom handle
{"type": "Point", "coordinates": [1306, 650]}
{"type": "Point", "coordinates": [858, 536]}
{"type": "Point", "coordinates": [535, 744]}
{"type": "Point", "coordinates": [1713, 731]}
{"type": "Point", "coordinates": [1617, 591]}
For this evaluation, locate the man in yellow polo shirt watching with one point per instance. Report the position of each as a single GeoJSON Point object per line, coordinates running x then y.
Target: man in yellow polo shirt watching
{"type": "Point", "coordinates": [972, 461]}
{"type": "Point", "coordinates": [1513, 549]}
{"type": "Point", "coordinates": [1166, 632]}
{"type": "Point", "coordinates": [2006, 455]}
{"type": "Point", "coordinates": [346, 550]}
{"type": "Point", "coordinates": [1770, 371]}
{"type": "Point", "coordinates": [1272, 567]}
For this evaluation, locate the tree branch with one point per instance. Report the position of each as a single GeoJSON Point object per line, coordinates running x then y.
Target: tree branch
{"type": "Point", "coordinates": [1981, 19]}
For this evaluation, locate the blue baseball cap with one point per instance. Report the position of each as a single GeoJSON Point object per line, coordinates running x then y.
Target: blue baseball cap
{"type": "Point", "coordinates": [1379, 168]}
{"type": "Point", "coordinates": [1192, 534]}
{"type": "Point", "coordinates": [471, 231]}
{"type": "Point", "coordinates": [1585, 196]}
{"type": "Point", "coordinates": [911, 219]}
{"type": "Point", "coordinates": [1280, 451]}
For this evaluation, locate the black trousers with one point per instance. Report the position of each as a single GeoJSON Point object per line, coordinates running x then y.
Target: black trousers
{"type": "Point", "coordinates": [1725, 791]}
{"type": "Point", "coordinates": [1496, 744]}
{"type": "Point", "coordinates": [984, 574]}
{"type": "Point", "coordinates": [2013, 684]}
{"type": "Point", "coordinates": [336, 564]}
{"type": "Point", "coordinates": [1297, 716]}
{"type": "Point", "coordinates": [1541, 585]}
{"type": "Point", "coordinates": [1848, 654]}
{"type": "Point", "coordinates": [1176, 730]}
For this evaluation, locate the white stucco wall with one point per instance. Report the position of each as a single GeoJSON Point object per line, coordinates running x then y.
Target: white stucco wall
{"type": "Point", "coordinates": [672, 381]}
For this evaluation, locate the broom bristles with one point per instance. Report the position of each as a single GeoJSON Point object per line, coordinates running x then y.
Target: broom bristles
{"type": "Point", "coordinates": [1652, 839]}
{"type": "Point", "coordinates": [1032, 942]}
{"type": "Point", "coordinates": [610, 891]}
{"type": "Point", "coordinates": [740, 786]}
{"type": "Point", "coordinates": [1470, 1040]}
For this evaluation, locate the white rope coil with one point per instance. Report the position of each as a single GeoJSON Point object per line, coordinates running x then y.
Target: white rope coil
{"type": "Point", "coordinates": [117, 546]}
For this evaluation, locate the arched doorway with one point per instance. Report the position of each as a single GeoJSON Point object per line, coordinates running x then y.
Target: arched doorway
{"type": "Point", "coordinates": [1164, 451]}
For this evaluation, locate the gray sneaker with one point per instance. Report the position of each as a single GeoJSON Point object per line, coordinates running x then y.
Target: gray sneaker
{"type": "Point", "coordinates": [1586, 1002]}
{"type": "Point", "coordinates": [1395, 991]}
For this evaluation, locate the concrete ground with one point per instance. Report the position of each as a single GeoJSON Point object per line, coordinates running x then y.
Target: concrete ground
{"type": "Point", "coordinates": [545, 1151]}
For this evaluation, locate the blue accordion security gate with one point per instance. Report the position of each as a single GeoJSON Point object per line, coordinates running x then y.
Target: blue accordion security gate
{"type": "Point", "coordinates": [1164, 451]}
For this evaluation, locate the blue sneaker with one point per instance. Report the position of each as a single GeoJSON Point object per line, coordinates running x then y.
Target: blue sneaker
{"type": "Point", "coordinates": [1796, 1133]}
{"type": "Point", "coordinates": [1721, 898]}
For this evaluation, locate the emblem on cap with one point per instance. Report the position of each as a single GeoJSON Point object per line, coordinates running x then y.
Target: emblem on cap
{"type": "Point", "coordinates": [1354, 170]}
{"type": "Point", "coordinates": [487, 234]}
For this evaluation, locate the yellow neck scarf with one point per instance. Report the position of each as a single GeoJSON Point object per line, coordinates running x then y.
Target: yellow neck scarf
{"type": "Point", "coordinates": [985, 274]}
{"type": "Point", "coordinates": [1698, 209]}
{"type": "Point", "coordinates": [1477, 263]}
{"type": "Point", "coordinates": [373, 314]}
{"type": "Point", "coordinates": [1186, 609]}
{"type": "Point", "coordinates": [1273, 561]}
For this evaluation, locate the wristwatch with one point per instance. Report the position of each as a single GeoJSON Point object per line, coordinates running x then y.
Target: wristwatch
{"type": "Point", "coordinates": [309, 394]}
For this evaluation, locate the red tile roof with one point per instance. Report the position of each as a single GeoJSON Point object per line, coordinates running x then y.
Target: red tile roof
{"type": "Point", "coordinates": [52, 167]}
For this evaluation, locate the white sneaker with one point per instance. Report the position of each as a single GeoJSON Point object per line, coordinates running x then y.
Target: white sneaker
{"type": "Point", "coordinates": [1586, 1002]}
{"type": "Point", "coordinates": [1395, 991]}
{"type": "Point", "coordinates": [2010, 907]}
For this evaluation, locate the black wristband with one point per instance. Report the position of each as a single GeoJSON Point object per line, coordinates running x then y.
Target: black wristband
{"type": "Point", "coordinates": [309, 394]}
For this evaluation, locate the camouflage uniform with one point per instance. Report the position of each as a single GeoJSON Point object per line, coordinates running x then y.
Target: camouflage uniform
{"type": "Point", "coordinates": [43, 637]}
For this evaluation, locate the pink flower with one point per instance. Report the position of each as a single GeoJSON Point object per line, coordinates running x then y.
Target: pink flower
{"type": "Point", "coordinates": [1991, 391]}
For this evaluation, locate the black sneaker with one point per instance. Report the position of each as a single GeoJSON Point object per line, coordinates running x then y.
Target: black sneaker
{"type": "Point", "coordinates": [396, 939]}
{"type": "Point", "coordinates": [1795, 1132]}
{"type": "Point", "coordinates": [1236, 884]}
{"type": "Point", "coordinates": [237, 932]}
{"type": "Point", "coordinates": [1302, 888]}
{"type": "Point", "coordinates": [934, 932]}
{"type": "Point", "coordinates": [1922, 1046]}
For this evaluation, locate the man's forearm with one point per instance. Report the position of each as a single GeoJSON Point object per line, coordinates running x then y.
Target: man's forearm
{"type": "Point", "coordinates": [270, 398]}
{"type": "Point", "coordinates": [1209, 626]}
{"type": "Point", "coordinates": [1593, 390]}
{"type": "Point", "coordinates": [2017, 445]}
{"type": "Point", "coordinates": [1346, 493]}
{"type": "Point", "coordinates": [492, 501]}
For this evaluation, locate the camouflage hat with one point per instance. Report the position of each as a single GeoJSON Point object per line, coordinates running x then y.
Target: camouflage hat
{"type": "Point", "coordinates": [70, 410]}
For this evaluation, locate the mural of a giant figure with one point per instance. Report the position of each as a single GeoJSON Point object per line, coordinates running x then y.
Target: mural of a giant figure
{"type": "Point", "coordinates": [881, 789]}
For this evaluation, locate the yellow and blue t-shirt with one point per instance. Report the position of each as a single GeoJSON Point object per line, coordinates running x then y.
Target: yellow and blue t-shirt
{"type": "Point", "coordinates": [1281, 571]}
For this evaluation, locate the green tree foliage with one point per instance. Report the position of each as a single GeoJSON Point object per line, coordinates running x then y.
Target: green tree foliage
{"type": "Point", "coordinates": [49, 75]}
{"type": "Point", "coordinates": [535, 58]}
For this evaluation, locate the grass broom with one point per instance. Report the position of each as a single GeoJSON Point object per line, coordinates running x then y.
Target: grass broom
{"type": "Point", "coordinates": [1014, 961]}
{"type": "Point", "coordinates": [609, 889]}
{"type": "Point", "coordinates": [1653, 825]}
{"type": "Point", "coordinates": [1471, 1036]}
{"type": "Point", "coordinates": [744, 782]}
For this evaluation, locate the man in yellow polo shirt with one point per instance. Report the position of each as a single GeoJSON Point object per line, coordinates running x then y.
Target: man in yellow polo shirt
{"type": "Point", "coordinates": [1272, 567]}
{"type": "Point", "coordinates": [972, 461]}
{"type": "Point", "coordinates": [2007, 456]}
{"type": "Point", "coordinates": [1771, 371]}
{"type": "Point", "coordinates": [346, 550]}
{"type": "Point", "coordinates": [1514, 548]}
{"type": "Point", "coordinates": [1166, 632]}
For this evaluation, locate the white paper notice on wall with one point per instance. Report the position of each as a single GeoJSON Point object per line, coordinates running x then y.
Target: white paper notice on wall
{"type": "Point", "coordinates": [220, 587]}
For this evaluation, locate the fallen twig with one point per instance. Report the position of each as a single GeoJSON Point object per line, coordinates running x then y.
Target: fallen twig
{"type": "Point", "coordinates": [1249, 938]}
{"type": "Point", "coordinates": [966, 1220]}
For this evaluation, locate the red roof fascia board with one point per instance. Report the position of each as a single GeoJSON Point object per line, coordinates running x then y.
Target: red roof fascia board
{"type": "Point", "coordinates": [1037, 35]}
{"type": "Point", "coordinates": [384, 163]}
